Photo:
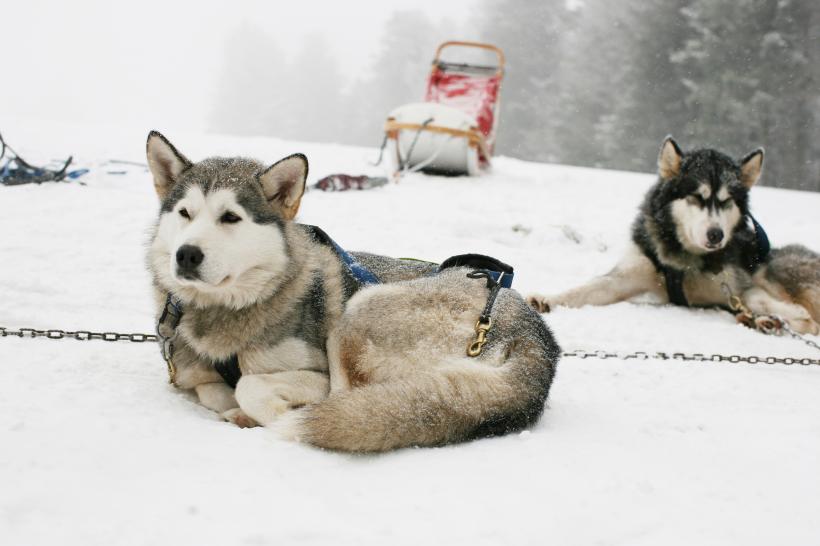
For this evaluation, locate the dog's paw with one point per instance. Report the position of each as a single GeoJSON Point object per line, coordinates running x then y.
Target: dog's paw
{"type": "Point", "coordinates": [239, 418]}
{"type": "Point", "coordinates": [539, 303]}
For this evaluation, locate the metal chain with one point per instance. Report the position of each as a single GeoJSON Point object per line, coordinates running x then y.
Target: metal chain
{"type": "Point", "coordinates": [85, 335]}
{"type": "Point", "coordinates": [81, 335]}
{"type": "Point", "coordinates": [768, 324]}
{"type": "Point", "coordinates": [800, 337]}
{"type": "Point", "coordinates": [692, 357]}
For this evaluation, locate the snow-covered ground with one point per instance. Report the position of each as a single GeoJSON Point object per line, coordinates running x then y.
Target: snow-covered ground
{"type": "Point", "coordinates": [96, 448]}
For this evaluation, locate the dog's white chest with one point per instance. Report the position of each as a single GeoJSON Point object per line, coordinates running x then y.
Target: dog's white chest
{"type": "Point", "coordinates": [290, 354]}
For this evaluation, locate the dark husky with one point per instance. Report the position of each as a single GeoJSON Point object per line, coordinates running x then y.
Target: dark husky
{"type": "Point", "coordinates": [694, 234]}
{"type": "Point", "coordinates": [325, 359]}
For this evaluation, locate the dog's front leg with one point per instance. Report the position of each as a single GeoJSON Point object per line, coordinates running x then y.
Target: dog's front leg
{"type": "Point", "coordinates": [265, 397]}
{"type": "Point", "coordinates": [217, 397]}
{"type": "Point", "coordinates": [194, 373]}
{"type": "Point", "coordinates": [634, 275]}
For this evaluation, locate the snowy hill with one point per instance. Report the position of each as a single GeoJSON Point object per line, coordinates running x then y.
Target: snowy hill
{"type": "Point", "coordinates": [98, 449]}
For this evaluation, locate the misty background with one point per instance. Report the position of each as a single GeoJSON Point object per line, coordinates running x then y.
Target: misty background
{"type": "Point", "coordinates": [588, 82]}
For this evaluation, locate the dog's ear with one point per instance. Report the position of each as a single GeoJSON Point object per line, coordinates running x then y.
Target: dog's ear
{"type": "Point", "coordinates": [669, 159]}
{"type": "Point", "coordinates": [165, 162]}
{"type": "Point", "coordinates": [283, 184]}
{"type": "Point", "coordinates": [751, 168]}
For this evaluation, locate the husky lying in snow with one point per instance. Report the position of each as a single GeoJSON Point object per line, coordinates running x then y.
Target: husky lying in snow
{"type": "Point", "coordinates": [323, 359]}
{"type": "Point", "coordinates": [693, 234]}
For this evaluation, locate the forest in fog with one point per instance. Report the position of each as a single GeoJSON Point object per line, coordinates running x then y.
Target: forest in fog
{"type": "Point", "coordinates": [593, 83]}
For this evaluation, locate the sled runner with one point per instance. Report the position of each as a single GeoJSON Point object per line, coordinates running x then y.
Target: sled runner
{"type": "Point", "coordinates": [453, 131]}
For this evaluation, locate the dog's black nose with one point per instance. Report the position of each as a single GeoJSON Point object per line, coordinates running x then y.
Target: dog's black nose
{"type": "Point", "coordinates": [714, 235]}
{"type": "Point", "coordinates": [189, 257]}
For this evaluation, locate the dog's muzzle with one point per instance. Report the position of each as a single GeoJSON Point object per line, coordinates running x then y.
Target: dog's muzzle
{"type": "Point", "coordinates": [189, 258]}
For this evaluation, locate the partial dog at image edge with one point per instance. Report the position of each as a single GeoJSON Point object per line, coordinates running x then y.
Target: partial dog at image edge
{"type": "Point", "coordinates": [694, 235]}
{"type": "Point", "coordinates": [326, 358]}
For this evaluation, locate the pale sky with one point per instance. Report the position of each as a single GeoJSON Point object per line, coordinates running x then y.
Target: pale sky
{"type": "Point", "coordinates": [156, 62]}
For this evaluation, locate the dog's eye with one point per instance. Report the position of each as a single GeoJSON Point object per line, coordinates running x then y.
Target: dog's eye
{"type": "Point", "coordinates": [725, 204]}
{"type": "Point", "coordinates": [695, 199]}
{"type": "Point", "coordinates": [229, 218]}
{"type": "Point", "coordinates": [184, 213]}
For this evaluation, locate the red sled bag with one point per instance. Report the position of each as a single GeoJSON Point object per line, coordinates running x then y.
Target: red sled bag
{"type": "Point", "coordinates": [454, 131]}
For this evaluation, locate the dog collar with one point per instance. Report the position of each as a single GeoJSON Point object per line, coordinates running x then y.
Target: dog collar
{"type": "Point", "coordinates": [167, 325]}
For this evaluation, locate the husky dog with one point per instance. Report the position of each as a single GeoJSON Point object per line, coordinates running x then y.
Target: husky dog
{"type": "Point", "coordinates": [323, 358]}
{"type": "Point", "coordinates": [694, 234]}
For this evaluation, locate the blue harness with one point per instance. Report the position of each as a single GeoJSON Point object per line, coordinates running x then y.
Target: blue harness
{"type": "Point", "coordinates": [498, 274]}
{"type": "Point", "coordinates": [496, 269]}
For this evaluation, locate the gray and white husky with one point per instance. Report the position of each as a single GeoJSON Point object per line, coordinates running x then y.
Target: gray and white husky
{"type": "Point", "coordinates": [694, 234]}
{"type": "Point", "coordinates": [324, 359]}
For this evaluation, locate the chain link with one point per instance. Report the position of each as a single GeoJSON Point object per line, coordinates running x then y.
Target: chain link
{"type": "Point", "coordinates": [81, 335]}
{"type": "Point", "coordinates": [86, 335]}
{"type": "Point", "coordinates": [800, 337]}
{"type": "Point", "coordinates": [692, 357]}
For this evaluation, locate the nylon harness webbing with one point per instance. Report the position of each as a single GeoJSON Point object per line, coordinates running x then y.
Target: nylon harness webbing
{"type": "Point", "coordinates": [359, 272]}
{"type": "Point", "coordinates": [495, 271]}
{"type": "Point", "coordinates": [674, 277]}
{"type": "Point", "coordinates": [229, 369]}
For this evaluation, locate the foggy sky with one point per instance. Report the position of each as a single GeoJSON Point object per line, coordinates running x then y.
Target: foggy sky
{"type": "Point", "coordinates": [157, 63]}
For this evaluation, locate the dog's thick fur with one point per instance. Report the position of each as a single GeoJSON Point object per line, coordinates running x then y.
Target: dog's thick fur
{"type": "Point", "coordinates": [325, 360]}
{"type": "Point", "coordinates": [694, 220]}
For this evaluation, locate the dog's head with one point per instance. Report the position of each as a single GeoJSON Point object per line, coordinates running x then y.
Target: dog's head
{"type": "Point", "coordinates": [706, 193]}
{"type": "Point", "coordinates": [220, 235]}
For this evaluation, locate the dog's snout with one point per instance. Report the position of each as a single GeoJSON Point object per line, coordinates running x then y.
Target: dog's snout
{"type": "Point", "coordinates": [189, 257]}
{"type": "Point", "coordinates": [714, 236]}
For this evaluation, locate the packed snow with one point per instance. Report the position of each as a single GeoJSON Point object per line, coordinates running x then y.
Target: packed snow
{"type": "Point", "coordinates": [96, 448]}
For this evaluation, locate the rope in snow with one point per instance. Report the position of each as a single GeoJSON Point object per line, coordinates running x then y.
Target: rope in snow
{"type": "Point", "coordinates": [87, 335]}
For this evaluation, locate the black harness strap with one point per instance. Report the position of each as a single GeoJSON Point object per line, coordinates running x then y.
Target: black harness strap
{"type": "Point", "coordinates": [495, 284]}
{"type": "Point", "coordinates": [496, 269]}
{"type": "Point", "coordinates": [762, 240]}
{"type": "Point", "coordinates": [674, 286]}
{"type": "Point", "coordinates": [229, 370]}
{"type": "Point", "coordinates": [674, 277]}
{"type": "Point", "coordinates": [498, 274]}
{"type": "Point", "coordinates": [167, 326]}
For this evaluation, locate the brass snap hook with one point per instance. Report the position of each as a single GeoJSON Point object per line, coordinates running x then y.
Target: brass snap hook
{"type": "Point", "coordinates": [481, 329]}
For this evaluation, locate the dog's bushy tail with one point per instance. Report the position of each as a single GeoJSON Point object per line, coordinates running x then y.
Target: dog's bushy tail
{"type": "Point", "coordinates": [454, 403]}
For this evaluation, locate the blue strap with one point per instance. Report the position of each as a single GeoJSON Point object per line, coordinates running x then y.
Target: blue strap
{"type": "Point", "coordinates": [505, 279]}
{"type": "Point", "coordinates": [360, 272]}
{"type": "Point", "coordinates": [76, 173]}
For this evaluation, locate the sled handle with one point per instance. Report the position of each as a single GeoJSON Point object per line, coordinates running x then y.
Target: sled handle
{"type": "Point", "coordinates": [489, 47]}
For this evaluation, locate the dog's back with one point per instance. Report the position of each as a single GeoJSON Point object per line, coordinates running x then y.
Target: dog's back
{"type": "Point", "coordinates": [395, 269]}
{"type": "Point", "coordinates": [401, 377]}
{"type": "Point", "coordinates": [795, 270]}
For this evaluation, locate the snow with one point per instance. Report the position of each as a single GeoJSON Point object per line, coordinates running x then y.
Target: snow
{"type": "Point", "coordinates": [98, 449]}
